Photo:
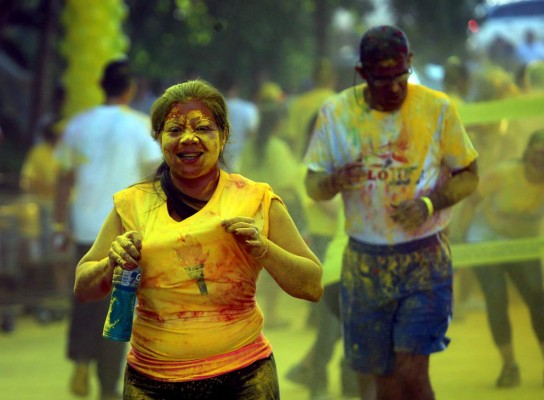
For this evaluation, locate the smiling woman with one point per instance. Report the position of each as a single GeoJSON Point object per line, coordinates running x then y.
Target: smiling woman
{"type": "Point", "coordinates": [201, 237]}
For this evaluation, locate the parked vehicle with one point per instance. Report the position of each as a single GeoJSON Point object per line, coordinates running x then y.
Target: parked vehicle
{"type": "Point", "coordinates": [506, 23]}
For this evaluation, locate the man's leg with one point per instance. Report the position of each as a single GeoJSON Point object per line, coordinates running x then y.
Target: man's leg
{"type": "Point", "coordinates": [82, 344]}
{"type": "Point", "coordinates": [312, 370]}
{"type": "Point", "coordinates": [367, 386]}
{"type": "Point", "coordinates": [409, 381]}
{"type": "Point", "coordinates": [493, 283]}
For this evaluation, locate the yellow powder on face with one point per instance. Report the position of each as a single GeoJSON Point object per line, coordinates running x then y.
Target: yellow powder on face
{"type": "Point", "coordinates": [198, 116]}
{"type": "Point", "coordinates": [174, 113]}
{"type": "Point", "coordinates": [188, 111]}
{"type": "Point", "coordinates": [177, 115]}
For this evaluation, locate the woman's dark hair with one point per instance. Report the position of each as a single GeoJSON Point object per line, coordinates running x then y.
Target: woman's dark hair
{"type": "Point", "coordinates": [184, 92]}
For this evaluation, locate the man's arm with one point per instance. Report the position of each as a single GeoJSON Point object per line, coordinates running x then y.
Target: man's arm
{"type": "Point", "coordinates": [414, 212]}
{"type": "Point", "coordinates": [65, 182]}
{"type": "Point", "coordinates": [461, 184]}
{"type": "Point", "coordinates": [320, 185]}
{"type": "Point", "coordinates": [63, 190]}
{"type": "Point", "coordinates": [324, 186]}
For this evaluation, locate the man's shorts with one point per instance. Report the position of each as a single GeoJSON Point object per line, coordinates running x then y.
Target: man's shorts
{"type": "Point", "coordinates": [395, 298]}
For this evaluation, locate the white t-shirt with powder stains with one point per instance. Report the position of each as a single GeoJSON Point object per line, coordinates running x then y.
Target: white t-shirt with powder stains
{"type": "Point", "coordinates": [407, 153]}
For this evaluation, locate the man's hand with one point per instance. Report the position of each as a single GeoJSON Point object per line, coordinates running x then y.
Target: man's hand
{"type": "Point", "coordinates": [349, 176]}
{"type": "Point", "coordinates": [410, 214]}
{"type": "Point", "coordinates": [324, 186]}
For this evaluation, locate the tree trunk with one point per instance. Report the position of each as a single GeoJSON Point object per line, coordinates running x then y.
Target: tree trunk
{"type": "Point", "coordinates": [43, 84]}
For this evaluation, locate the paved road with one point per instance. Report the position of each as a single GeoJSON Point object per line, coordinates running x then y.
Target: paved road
{"type": "Point", "coordinates": [33, 364]}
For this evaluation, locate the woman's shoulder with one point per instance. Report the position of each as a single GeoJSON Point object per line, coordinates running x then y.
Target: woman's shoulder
{"type": "Point", "coordinates": [244, 183]}
{"type": "Point", "coordinates": [140, 189]}
{"type": "Point", "coordinates": [239, 180]}
{"type": "Point", "coordinates": [245, 194]}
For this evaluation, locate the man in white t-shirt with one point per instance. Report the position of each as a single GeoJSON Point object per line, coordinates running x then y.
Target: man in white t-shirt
{"type": "Point", "coordinates": [103, 150]}
{"type": "Point", "coordinates": [400, 157]}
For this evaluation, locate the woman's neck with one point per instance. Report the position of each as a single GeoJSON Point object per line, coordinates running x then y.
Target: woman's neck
{"type": "Point", "coordinates": [201, 188]}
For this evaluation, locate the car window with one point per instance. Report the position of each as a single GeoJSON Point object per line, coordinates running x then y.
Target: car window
{"type": "Point", "coordinates": [506, 22]}
{"type": "Point", "coordinates": [520, 9]}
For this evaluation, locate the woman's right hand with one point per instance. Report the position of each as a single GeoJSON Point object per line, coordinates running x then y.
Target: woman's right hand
{"type": "Point", "coordinates": [125, 251]}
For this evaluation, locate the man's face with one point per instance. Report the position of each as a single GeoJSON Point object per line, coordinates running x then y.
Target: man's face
{"type": "Point", "coordinates": [387, 82]}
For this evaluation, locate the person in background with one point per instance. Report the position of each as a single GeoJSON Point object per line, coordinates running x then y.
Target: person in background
{"type": "Point", "coordinates": [103, 150]}
{"type": "Point", "coordinates": [270, 92]}
{"type": "Point", "coordinates": [456, 79]}
{"type": "Point", "coordinates": [531, 49]}
{"type": "Point", "coordinates": [197, 333]}
{"type": "Point", "coordinates": [146, 94]}
{"type": "Point", "coordinates": [272, 100]}
{"type": "Point", "coordinates": [496, 141]}
{"type": "Point", "coordinates": [267, 158]}
{"type": "Point", "coordinates": [457, 85]}
{"type": "Point", "coordinates": [502, 52]}
{"type": "Point", "coordinates": [533, 86]}
{"type": "Point", "coordinates": [303, 108]}
{"type": "Point", "coordinates": [243, 120]}
{"type": "Point", "coordinates": [324, 222]}
{"type": "Point", "coordinates": [509, 204]}
{"type": "Point", "coordinates": [38, 179]}
{"type": "Point", "coordinates": [400, 157]}
{"type": "Point", "coordinates": [533, 77]}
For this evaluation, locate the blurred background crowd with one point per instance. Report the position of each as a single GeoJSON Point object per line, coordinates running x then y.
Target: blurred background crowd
{"type": "Point", "coordinates": [275, 61]}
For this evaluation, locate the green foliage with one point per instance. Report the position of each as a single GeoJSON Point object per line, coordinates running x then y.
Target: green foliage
{"type": "Point", "coordinates": [446, 35]}
{"type": "Point", "coordinates": [254, 40]}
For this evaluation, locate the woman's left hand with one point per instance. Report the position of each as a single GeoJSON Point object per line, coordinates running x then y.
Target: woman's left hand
{"type": "Point", "coordinates": [247, 235]}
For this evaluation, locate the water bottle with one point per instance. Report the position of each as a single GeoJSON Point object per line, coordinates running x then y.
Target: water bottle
{"type": "Point", "coordinates": [118, 324]}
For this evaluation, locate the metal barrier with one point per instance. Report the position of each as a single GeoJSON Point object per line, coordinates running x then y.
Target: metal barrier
{"type": "Point", "coordinates": [500, 251]}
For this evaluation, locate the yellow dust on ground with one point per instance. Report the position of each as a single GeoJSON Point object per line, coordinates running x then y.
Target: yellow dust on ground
{"type": "Point", "coordinates": [33, 364]}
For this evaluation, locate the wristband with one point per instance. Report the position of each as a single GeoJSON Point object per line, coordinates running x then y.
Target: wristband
{"type": "Point", "coordinates": [429, 204]}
